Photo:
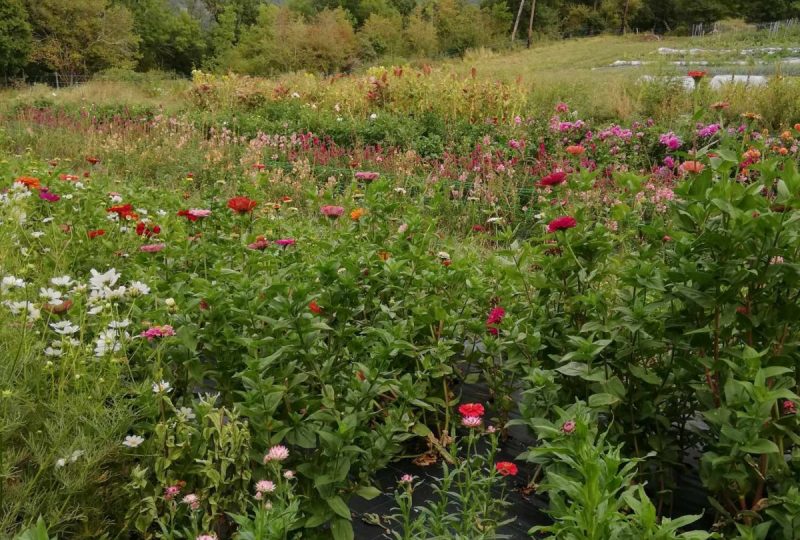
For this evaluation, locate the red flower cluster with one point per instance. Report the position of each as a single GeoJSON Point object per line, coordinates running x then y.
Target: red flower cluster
{"type": "Point", "coordinates": [142, 229]}
{"type": "Point", "coordinates": [494, 319]}
{"type": "Point", "coordinates": [124, 211]}
{"type": "Point", "coordinates": [242, 205]}
{"type": "Point", "coordinates": [561, 224]}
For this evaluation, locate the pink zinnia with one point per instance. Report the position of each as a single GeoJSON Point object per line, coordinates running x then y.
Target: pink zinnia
{"type": "Point", "coordinates": [277, 453]}
{"type": "Point", "coordinates": [367, 176]}
{"type": "Point", "coordinates": [158, 332]}
{"type": "Point", "coordinates": [47, 196]}
{"type": "Point", "coordinates": [152, 248]}
{"type": "Point", "coordinates": [331, 211]}
{"type": "Point", "coordinates": [561, 224]}
{"type": "Point", "coordinates": [260, 244]}
{"type": "Point", "coordinates": [283, 242]}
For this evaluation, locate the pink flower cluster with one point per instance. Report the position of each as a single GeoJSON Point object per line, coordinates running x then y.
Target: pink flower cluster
{"type": "Point", "coordinates": [158, 332]}
{"type": "Point", "coordinates": [494, 319]}
{"type": "Point", "coordinates": [671, 141]}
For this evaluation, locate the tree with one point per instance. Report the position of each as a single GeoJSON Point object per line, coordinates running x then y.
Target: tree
{"type": "Point", "coordinates": [15, 37]}
{"type": "Point", "coordinates": [382, 35]}
{"type": "Point", "coordinates": [421, 35]}
{"type": "Point", "coordinates": [80, 37]}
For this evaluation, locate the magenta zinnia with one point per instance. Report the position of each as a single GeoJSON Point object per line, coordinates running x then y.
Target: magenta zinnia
{"type": "Point", "coordinates": [561, 224]}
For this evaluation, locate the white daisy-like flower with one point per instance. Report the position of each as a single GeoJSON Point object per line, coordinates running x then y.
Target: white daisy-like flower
{"type": "Point", "coordinates": [52, 296]}
{"type": "Point", "coordinates": [60, 463]}
{"type": "Point", "coordinates": [108, 342]}
{"type": "Point", "coordinates": [79, 185]}
{"type": "Point", "coordinates": [137, 288]}
{"type": "Point", "coordinates": [119, 324]}
{"type": "Point", "coordinates": [107, 279]}
{"type": "Point", "coordinates": [53, 352]}
{"type": "Point", "coordinates": [494, 220]}
{"type": "Point", "coordinates": [61, 281]}
{"type": "Point", "coordinates": [34, 313]}
{"type": "Point", "coordinates": [161, 387]}
{"type": "Point", "coordinates": [37, 234]}
{"type": "Point", "coordinates": [114, 294]}
{"type": "Point", "coordinates": [65, 328]}
{"type": "Point", "coordinates": [132, 441]}
{"type": "Point", "coordinates": [11, 282]}
{"type": "Point", "coordinates": [95, 310]}
{"type": "Point", "coordinates": [15, 307]}
{"type": "Point", "coordinates": [187, 413]}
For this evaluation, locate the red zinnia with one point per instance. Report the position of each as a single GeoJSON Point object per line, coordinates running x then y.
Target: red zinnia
{"type": "Point", "coordinates": [95, 233]}
{"type": "Point", "coordinates": [553, 179]}
{"type": "Point", "coordinates": [471, 409]}
{"type": "Point", "coordinates": [143, 230]}
{"type": "Point", "coordinates": [242, 205]}
{"type": "Point", "coordinates": [314, 307]}
{"type": "Point", "coordinates": [697, 75]}
{"type": "Point", "coordinates": [188, 215]}
{"type": "Point", "coordinates": [561, 224]}
{"type": "Point", "coordinates": [93, 160]}
{"type": "Point", "coordinates": [506, 468]}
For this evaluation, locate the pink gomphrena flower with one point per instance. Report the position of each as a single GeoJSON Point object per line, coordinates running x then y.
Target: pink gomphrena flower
{"type": "Point", "coordinates": [285, 242]}
{"type": "Point", "coordinates": [277, 453]}
{"type": "Point", "coordinates": [367, 176]}
{"type": "Point", "coordinates": [406, 479]}
{"type": "Point", "coordinates": [265, 486]}
{"type": "Point", "coordinates": [331, 211]}
{"type": "Point", "coordinates": [158, 332]}
{"type": "Point", "coordinates": [471, 421]}
{"type": "Point", "coordinates": [568, 427]}
{"type": "Point", "coordinates": [152, 248]}
{"type": "Point", "coordinates": [206, 537]}
{"type": "Point", "coordinates": [192, 500]}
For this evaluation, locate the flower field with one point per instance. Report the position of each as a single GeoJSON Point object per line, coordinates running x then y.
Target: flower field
{"type": "Point", "coordinates": [225, 320]}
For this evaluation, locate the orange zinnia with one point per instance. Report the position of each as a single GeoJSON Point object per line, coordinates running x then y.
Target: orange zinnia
{"type": "Point", "coordinates": [29, 181]}
{"type": "Point", "coordinates": [575, 149]}
{"type": "Point", "coordinates": [692, 167]}
{"type": "Point", "coordinates": [357, 214]}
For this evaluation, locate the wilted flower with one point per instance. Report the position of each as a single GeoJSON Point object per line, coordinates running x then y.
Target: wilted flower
{"type": "Point", "coordinates": [314, 307]}
{"type": "Point", "coordinates": [152, 248]}
{"type": "Point", "coordinates": [789, 407]}
{"type": "Point", "coordinates": [367, 176]}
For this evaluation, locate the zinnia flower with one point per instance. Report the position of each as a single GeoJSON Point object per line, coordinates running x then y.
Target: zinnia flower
{"type": "Point", "coordinates": [367, 176]}
{"type": "Point", "coordinates": [470, 421]}
{"type": "Point", "coordinates": [506, 468]}
{"type": "Point", "coordinates": [124, 211]}
{"type": "Point", "coordinates": [331, 211]}
{"type": "Point", "coordinates": [95, 233]}
{"type": "Point", "coordinates": [284, 242]}
{"type": "Point", "coordinates": [471, 409]}
{"type": "Point", "coordinates": [568, 427]}
{"type": "Point", "coordinates": [697, 75]}
{"type": "Point", "coordinates": [152, 248]}
{"type": "Point", "coordinates": [575, 149]}
{"type": "Point", "coordinates": [694, 167]}
{"type": "Point", "coordinates": [314, 307]}
{"type": "Point", "coordinates": [260, 244]}
{"type": "Point", "coordinates": [158, 332]}
{"type": "Point", "coordinates": [142, 229]}
{"type": "Point", "coordinates": [242, 205]}
{"type": "Point", "coordinates": [561, 224]}
{"type": "Point", "coordinates": [45, 195]}
{"type": "Point", "coordinates": [357, 214]}
{"type": "Point", "coordinates": [193, 214]}
{"type": "Point", "coordinates": [29, 182]}
{"type": "Point", "coordinates": [553, 179]}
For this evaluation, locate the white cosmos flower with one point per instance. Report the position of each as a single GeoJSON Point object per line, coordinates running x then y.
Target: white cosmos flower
{"type": "Point", "coordinates": [132, 441]}
{"type": "Point", "coordinates": [106, 279]}
{"type": "Point", "coordinates": [55, 353]}
{"type": "Point", "coordinates": [37, 234]}
{"type": "Point", "coordinates": [60, 463]}
{"type": "Point", "coordinates": [52, 296]}
{"type": "Point", "coordinates": [48, 219]}
{"type": "Point", "coordinates": [161, 387]}
{"type": "Point", "coordinates": [65, 328]}
{"type": "Point", "coordinates": [61, 281]}
{"type": "Point", "coordinates": [137, 288]}
{"type": "Point", "coordinates": [119, 324]}
{"type": "Point", "coordinates": [10, 282]}
{"type": "Point", "coordinates": [108, 342]}
{"type": "Point", "coordinates": [95, 310]}
{"type": "Point", "coordinates": [15, 307]}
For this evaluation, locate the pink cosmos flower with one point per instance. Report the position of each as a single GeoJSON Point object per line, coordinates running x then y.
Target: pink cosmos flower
{"type": "Point", "coordinates": [158, 332]}
{"type": "Point", "coordinates": [277, 453]}
{"type": "Point", "coordinates": [152, 248]}
{"type": "Point", "coordinates": [331, 211]}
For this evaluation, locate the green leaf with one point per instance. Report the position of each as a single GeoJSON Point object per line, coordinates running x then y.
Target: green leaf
{"type": "Point", "coordinates": [368, 492]}
{"type": "Point", "coordinates": [421, 430]}
{"type": "Point", "coordinates": [342, 529]}
{"type": "Point", "coordinates": [761, 446]}
{"type": "Point", "coordinates": [603, 400]}
{"type": "Point", "coordinates": [338, 506]}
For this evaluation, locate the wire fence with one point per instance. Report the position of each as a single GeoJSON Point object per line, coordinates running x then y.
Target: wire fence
{"type": "Point", "coordinates": [774, 28]}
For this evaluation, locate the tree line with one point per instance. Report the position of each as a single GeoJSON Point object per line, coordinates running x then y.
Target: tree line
{"type": "Point", "coordinates": [81, 37]}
